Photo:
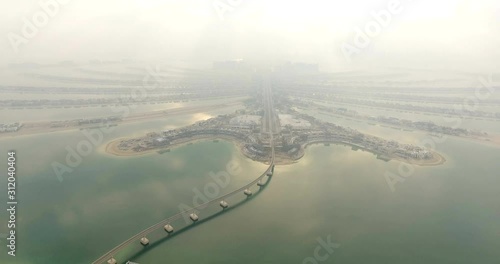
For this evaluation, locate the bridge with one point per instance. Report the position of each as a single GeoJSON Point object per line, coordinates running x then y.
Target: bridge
{"type": "Point", "coordinates": [269, 127]}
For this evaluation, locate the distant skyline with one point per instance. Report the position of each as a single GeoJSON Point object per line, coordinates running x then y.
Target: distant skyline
{"type": "Point", "coordinates": [457, 35]}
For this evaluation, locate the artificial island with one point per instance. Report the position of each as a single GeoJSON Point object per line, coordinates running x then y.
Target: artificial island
{"type": "Point", "coordinates": [293, 131]}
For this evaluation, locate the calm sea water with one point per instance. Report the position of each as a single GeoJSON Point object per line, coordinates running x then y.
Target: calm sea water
{"type": "Point", "coordinates": [447, 214]}
{"type": "Point", "coordinates": [444, 214]}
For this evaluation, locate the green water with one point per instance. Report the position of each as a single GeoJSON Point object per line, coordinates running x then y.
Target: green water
{"type": "Point", "coordinates": [447, 214]}
{"type": "Point", "coordinates": [444, 214]}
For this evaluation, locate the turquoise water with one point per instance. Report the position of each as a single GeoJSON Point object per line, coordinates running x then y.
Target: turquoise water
{"type": "Point", "coordinates": [443, 214]}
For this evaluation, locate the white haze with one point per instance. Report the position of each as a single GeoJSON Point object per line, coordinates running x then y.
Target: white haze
{"type": "Point", "coordinates": [427, 34]}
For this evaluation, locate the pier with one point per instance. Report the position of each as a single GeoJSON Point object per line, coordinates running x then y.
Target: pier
{"type": "Point", "coordinates": [141, 237]}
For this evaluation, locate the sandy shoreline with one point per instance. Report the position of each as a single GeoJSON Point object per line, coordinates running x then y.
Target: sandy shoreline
{"type": "Point", "coordinates": [491, 139]}
{"type": "Point", "coordinates": [44, 127]}
{"type": "Point", "coordinates": [112, 149]}
{"type": "Point", "coordinates": [437, 159]}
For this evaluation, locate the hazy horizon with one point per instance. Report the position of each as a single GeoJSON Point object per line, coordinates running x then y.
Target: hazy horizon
{"type": "Point", "coordinates": [452, 35]}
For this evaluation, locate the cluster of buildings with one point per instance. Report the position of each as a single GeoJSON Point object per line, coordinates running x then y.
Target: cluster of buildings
{"type": "Point", "coordinates": [116, 100]}
{"type": "Point", "coordinates": [435, 110]}
{"type": "Point", "coordinates": [296, 131]}
{"type": "Point", "coordinates": [135, 144]}
{"type": "Point", "coordinates": [414, 152]}
{"type": "Point", "coordinates": [82, 122]}
{"type": "Point", "coordinates": [309, 130]}
{"type": "Point", "coordinates": [13, 127]}
{"type": "Point", "coordinates": [103, 120]}
{"type": "Point", "coordinates": [420, 125]}
{"type": "Point", "coordinates": [389, 148]}
{"type": "Point", "coordinates": [235, 127]}
{"type": "Point", "coordinates": [418, 108]}
{"type": "Point", "coordinates": [291, 122]}
{"type": "Point", "coordinates": [251, 122]}
{"type": "Point", "coordinates": [328, 132]}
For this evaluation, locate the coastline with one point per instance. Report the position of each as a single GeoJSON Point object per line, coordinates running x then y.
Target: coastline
{"type": "Point", "coordinates": [490, 139]}
{"type": "Point", "coordinates": [111, 148]}
{"type": "Point", "coordinates": [437, 159]}
{"type": "Point", "coordinates": [44, 127]}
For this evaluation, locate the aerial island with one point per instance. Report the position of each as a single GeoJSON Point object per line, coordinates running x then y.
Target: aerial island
{"type": "Point", "coordinates": [293, 133]}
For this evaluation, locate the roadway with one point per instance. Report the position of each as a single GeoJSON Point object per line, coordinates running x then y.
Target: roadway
{"type": "Point", "coordinates": [270, 118]}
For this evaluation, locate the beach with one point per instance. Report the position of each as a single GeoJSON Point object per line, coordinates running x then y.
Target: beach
{"type": "Point", "coordinates": [112, 148]}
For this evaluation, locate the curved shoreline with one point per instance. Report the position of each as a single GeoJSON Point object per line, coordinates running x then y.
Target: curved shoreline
{"type": "Point", "coordinates": [437, 160]}
{"type": "Point", "coordinates": [111, 148]}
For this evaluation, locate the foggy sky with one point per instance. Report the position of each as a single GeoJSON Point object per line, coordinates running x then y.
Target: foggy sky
{"type": "Point", "coordinates": [431, 34]}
